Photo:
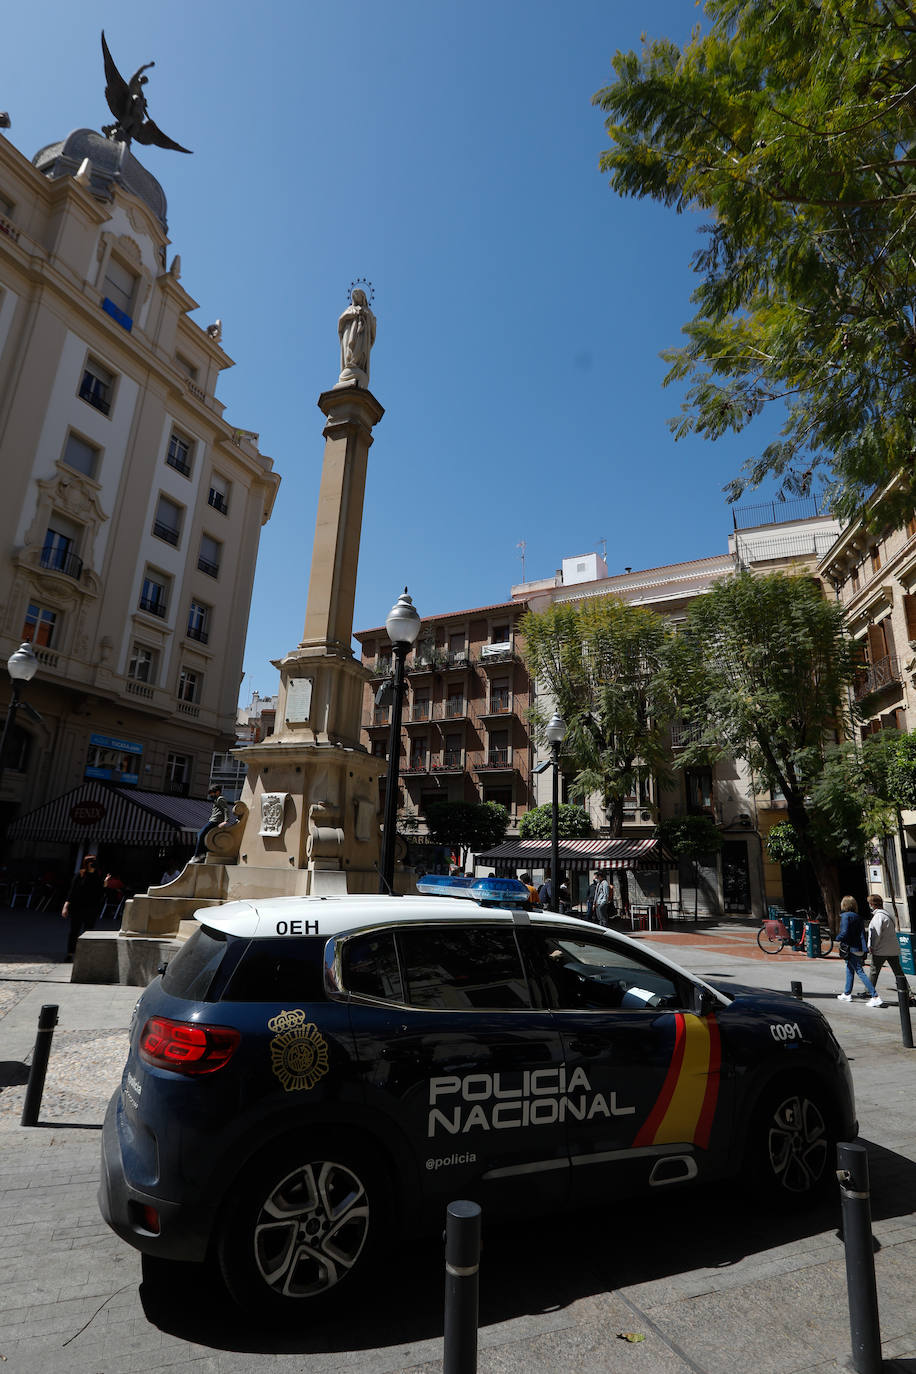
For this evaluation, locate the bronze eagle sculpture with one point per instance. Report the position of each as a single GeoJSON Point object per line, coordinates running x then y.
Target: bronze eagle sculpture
{"type": "Point", "coordinates": [128, 105]}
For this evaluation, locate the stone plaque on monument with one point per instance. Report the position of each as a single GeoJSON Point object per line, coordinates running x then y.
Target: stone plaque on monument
{"type": "Point", "coordinates": [273, 804]}
{"type": "Point", "coordinates": [298, 699]}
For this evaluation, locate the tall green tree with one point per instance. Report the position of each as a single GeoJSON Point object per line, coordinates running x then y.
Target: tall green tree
{"type": "Point", "coordinates": [602, 662]}
{"type": "Point", "coordinates": [464, 826]}
{"type": "Point", "coordinates": [791, 125]}
{"type": "Point", "coordinates": [691, 837]}
{"type": "Point", "coordinates": [573, 823]}
{"type": "Point", "coordinates": [763, 669]}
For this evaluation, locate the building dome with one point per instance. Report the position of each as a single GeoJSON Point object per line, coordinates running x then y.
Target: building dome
{"type": "Point", "coordinates": [111, 163]}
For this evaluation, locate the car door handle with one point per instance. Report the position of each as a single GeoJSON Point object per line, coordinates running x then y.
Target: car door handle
{"type": "Point", "coordinates": [591, 1044]}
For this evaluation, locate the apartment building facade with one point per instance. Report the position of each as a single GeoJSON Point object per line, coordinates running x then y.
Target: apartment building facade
{"type": "Point", "coordinates": [740, 878]}
{"type": "Point", "coordinates": [132, 507]}
{"type": "Point", "coordinates": [872, 572]}
{"type": "Point", "coordinates": [465, 734]}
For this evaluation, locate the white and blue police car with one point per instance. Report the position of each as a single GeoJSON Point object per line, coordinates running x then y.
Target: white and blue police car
{"type": "Point", "coordinates": [311, 1077]}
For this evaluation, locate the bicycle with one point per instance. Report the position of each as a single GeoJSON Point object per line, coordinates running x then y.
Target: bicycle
{"type": "Point", "coordinates": [774, 935]}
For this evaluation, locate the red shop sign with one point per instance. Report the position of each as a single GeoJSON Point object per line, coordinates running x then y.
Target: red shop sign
{"type": "Point", "coordinates": [87, 812]}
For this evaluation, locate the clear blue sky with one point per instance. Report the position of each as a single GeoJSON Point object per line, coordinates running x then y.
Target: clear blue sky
{"type": "Point", "coordinates": [448, 152]}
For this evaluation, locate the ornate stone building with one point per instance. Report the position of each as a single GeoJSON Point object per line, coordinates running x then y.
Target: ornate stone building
{"type": "Point", "coordinates": [132, 507]}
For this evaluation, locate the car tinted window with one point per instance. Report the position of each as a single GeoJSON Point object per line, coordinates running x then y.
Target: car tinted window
{"type": "Point", "coordinates": [473, 968]}
{"type": "Point", "coordinates": [370, 967]}
{"type": "Point", "coordinates": [283, 970]}
{"type": "Point", "coordinates": [588, 975]}
{"type": "Point", "coordinates": [190, 972]}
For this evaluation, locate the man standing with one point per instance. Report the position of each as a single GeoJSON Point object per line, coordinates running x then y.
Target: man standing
{"type": "Point", "coordinates": [219, 815]}
{"type": "Point", "coordinates": [882, 940]}
{"type": "Point", "coordinates": [603, 901]}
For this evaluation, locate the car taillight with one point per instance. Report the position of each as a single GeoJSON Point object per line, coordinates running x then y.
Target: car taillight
{"type": "Point", "coordinates": [186, 1046]}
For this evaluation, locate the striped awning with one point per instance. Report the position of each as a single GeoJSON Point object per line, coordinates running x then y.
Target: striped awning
{"type": "Point", "coordinates": [589, 855]}
{"type": "Point", "coordinates": [102, 813]}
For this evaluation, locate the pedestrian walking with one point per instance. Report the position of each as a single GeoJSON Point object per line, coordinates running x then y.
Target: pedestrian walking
{"type": "Point", "coordinates": [590, 913]}
{"type": "Point", "coordinates": [532, 890]}
{"type": "Point", "coordinates": [853, 945]}
{"type": "Point", "coordinates": [84, 901]}
{"type": "Point", "coordinates": [882, 941]}
{"type": "Point", "coordinates": [603, 902]}
{"type": "Point", "coordinates": [220, 812]}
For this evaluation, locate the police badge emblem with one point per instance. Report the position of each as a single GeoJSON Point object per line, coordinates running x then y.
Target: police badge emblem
{"type": "Point", "coordinates": [298, 1051]}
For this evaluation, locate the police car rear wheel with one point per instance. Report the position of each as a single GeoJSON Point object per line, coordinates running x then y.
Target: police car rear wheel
{"type": "Point", "coordinates": [304, 1231]}
{"type": "Point", "coordinates": [794, 1144]}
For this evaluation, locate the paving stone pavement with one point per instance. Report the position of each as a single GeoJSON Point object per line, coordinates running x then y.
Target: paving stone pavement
{"type": "Point", "coordinates": [713, 1286]}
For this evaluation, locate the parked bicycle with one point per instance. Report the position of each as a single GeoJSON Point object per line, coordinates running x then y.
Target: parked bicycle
{"type": "Point", "coordinates": [775, 935]}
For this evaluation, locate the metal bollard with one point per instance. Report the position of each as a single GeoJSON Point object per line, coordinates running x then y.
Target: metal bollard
{"type": "Point", "coordinates": [864, 1326]}
{"type": "Point", "coordinates": [462, 1262]}
{"type": "Point", "coordinates": [903, 1001]}
{"type": "Point", "coordinates": [47, 1020]}
{"type": "Point", "coordinates": [796, 989]}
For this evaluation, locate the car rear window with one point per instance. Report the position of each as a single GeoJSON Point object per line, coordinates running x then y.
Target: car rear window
{"type": "Point", "coordinates": [290, 969]}
{"type": "Point", "coordinates": [190, 972]}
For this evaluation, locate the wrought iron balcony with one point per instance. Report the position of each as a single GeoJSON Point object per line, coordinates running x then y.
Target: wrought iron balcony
{"type": "Point", "coordinates": [450, 761]}
{"type": "Point", "coordinates": [455, 708]}
{"type": "Point", "coordinates": [874, 677]}
{"type": "Point", "coordinates": [211, 569]}
{"type": "Point", "coordinates": [500, 704]}
{"type": "Point", "coordinates": [166, 532]}
{"type": "Point", "coordinates": [59, 560]}
{"type": "Point", "coordinates": [96, 392]}
{"type": "Point", "coordinates": [153, 607]}
{"type": "Point", "coordinates": [218, 501]}
{"type": "Point", "coordinates": [176, 461]}
{"type": "Point", "coordinates": [496, 760]}
{"type": "Point", "coordinates": [198, 633]}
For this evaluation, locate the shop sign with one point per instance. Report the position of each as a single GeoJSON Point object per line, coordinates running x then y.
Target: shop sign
{"type": "Point", "coordinates": [87, 812]}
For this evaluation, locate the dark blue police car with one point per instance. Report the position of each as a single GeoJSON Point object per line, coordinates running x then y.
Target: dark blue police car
{"type": "Point", "coordinates": [310, 1077]}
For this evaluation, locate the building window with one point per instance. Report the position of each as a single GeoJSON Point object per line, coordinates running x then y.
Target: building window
{"type": "Point", "coordinates": [179, 454]}
{"type": "Point", "coordinates": [502, 634]}
{"type": "Point", "coordinates": [854, 579]}
{"type": "Point", "coordinates": [456, 647]}
{"type": "Point", "coordinates": [167, 524]}
{"type": "Point", "coordinates": [454, 705]}
{"type": "Point", "coordinates": [418, 755]}
{"type": "Point", "coordinates": [501, 795]}
{"type": "Point", "coordinates": [379, 749]}
{"type": "Point", "coordinates": [97, 386]}
{"type": "Point", "coordinates": [500, 696]}
{"type": "Point", "coordinates": [142, 665]}
{"type": "Point", "coordinates": [219, 494]}
{"type": "Point", "coordinates": [911, 526]}
{"type": "Point", "coordinates": [178, 774]}
{"type": "Point", "coordinates": [81, 456]}
{"type": "Point", "coordinates": [199, 622]}
{"type": "Point", "coordinates": [498, 752]}
{"type": "Point", "coordinates": [420, 709]}
{"type": "Point", "coordinates": [186, 366]}
{"type": "Point", "coordinates": [59, 549]}
{"type": "Point", "coordinates": [698, 782]}
{"type": "Point", "coordinates": [189, 685]}
{"type": "Point", "coordinates": [120, 286]}
{"type": "Point", "coordinates": [154, 594]}
{"type": "Point", "coordinates": [875, 559]}
{"type": "Point", "coordinates": [451, 754]}
{"type": "Point", "coordinates": [208, 560]}
{"type": "Point", "coordinates": [40, 626]}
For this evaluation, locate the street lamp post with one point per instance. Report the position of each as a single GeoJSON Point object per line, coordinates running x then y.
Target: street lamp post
{"type": "Point", "coordinates": [22, 667]}
{"type": "Point", "coordinates": [556, 731]}
{"type": "Point", "coordinates": [403, 626]}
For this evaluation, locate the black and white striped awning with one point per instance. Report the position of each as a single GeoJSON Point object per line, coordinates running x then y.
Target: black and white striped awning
{"type": "Point", "coordinates": [581, 855]}
{"type": "Point", "coordinates": [102, 813]}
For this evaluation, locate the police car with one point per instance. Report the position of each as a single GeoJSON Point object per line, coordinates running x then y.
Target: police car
{"type": "Point", "coordinates": [312, 1077]}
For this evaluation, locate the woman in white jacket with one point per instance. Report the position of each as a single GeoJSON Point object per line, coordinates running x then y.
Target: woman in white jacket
{"type": "Point", "coordinates": [882, 940]}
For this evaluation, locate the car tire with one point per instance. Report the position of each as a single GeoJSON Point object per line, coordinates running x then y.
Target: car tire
{"type": "Point", "coordinates": [302, 1228]}
{"type": "Point", "coordinates": [792, 1144]}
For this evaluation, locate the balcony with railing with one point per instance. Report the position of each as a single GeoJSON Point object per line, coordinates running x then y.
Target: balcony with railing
{"type": "Point", "coordinates": [457, 658]}
{"type": "Point", "coordinates": [449, 761]}
{"type": "Point", "coordinates": [418, 764]}
{"type": "Point", "coordinates": [495, 761]}
{"type": "Point", "coordinates": [454, 708]}
{"type": "Point", "coordinates": [197, 632]}
{"type": "Point", "coordinates": [153, 606]}
{"type": "Point", "coordinates": [875, 677]}
{"type": "Point", "coordinates": [59, 560]}
{"type": "Point", "coordinates": [205, 566]}
{"type": "Point", "coordinates": [218, 501]}
{"type": "Point", "coordinates": [428, 661]}
{"type": "Point", "coordinates": [500, 704]}
{"type": "Point", "coordinates": [421, 712]}
{"type": "Point", "coordinates": [683, 734]}
{"type": "Point", "coordinates": [166, 532]}
{"type": "Point", "coordinates": [380, 719]}
{"type": "Point", "coordinates": [496, 655]}
{"type": "Point", "coordinates": [380, 669]}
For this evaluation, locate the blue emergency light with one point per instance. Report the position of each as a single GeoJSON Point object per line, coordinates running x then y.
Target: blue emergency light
{"type": "Point", "coordinates": [487, 891]}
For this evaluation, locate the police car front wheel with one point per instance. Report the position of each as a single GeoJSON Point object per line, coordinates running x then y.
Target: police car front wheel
{"type": "Point", "coordinates": [305, 1227]}
{"type": "Point", "coordinates": [794, 1143]}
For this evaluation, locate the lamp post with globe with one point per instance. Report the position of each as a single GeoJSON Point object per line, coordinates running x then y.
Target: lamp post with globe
{"type": "Point", "coordinates": [22, 667]}
{"type": "Point", "coordinates": [403, 626]}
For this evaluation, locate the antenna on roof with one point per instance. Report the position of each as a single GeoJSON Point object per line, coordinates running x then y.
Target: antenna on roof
{"type": "Point", "coordinates": [524, 547]}
{"type": "Point", "coordinates": [603, 543]}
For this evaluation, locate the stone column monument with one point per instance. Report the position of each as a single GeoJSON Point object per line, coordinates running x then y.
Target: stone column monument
{"type": "Point", "coordinates": [312, 789]}
{"type": "Point", "coordinates": [309, 813]}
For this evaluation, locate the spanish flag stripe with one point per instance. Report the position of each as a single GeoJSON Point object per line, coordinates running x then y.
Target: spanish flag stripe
{"type": "Point", "coordinates": [680, 1120]}
{"type": "Point", "coordinates": [646, 1133]}
{"type": "Point", "coordinates": [704, 1125]}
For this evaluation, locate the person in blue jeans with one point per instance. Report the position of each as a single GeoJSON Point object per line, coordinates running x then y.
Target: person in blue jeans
{"type": "Point", "coordinates": [853, 939]}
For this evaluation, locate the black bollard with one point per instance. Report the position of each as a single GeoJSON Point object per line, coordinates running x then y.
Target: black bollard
{"type": "Point", "coordinates": [903, 1001]}
{"type": "Point", "coordinates": [462, 1262]}
{"type": "Point", "coordinates": [796, 990]}
{"type": "Point", "coordinates": [47, 1020]}
{"type": "Point", "coordinates": [864, 1326]}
